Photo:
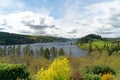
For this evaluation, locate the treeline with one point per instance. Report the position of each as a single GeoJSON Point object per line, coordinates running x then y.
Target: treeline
{"type": "Point", "coordinates": [10, 39]}
{"type": "Point", "coordinates": [27, 50]}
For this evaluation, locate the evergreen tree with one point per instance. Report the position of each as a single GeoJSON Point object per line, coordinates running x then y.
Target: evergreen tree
{"type": "Point", "coordinates": [14, 50]}
{"type": "Point", "coordinates": [61, 52]}
{"type": "Point", "coordinates": [47, 53]}
{"type": "Point", "coordinates": [31, 53]}
{"type": "Point", "coordinates": [18, 50]}
{"type": "Point", "coordinates": [41, 53]}
{"type": "Point", "coordinates": [5, 49]}
{"type": "Point", "coordinates": [1, 52]}
{"type": "Point", "coordinates": [53, 52]}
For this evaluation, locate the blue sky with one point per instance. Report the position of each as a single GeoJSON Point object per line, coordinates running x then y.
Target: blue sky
{"type": "Point", "coordinates": [62, 18]}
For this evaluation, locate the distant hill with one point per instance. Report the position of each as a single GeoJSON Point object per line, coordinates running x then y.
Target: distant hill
{"type": "Point", "coordinates": [10, 39]}
{"type": "Point", "coordinates": [94, 37]}
{"type": "Point", "coordinates": [113, 39]}
{"type": "Point", "coordinates": [88, 38]}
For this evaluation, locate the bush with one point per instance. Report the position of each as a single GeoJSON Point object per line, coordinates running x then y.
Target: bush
{"type": "Point", "coordinates": [99, 70]}
{"type": "Point", "coordinates": [59, 70]}
{"type": "Point", "coordinates": [13, 71]}
{"type": "Point", "coordinates": [92, 77]}
{"type": "Point", "coordinates": [108, 76]}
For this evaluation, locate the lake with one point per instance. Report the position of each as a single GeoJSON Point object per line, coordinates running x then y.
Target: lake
{"type": "Point", "coordinates": [68, 47]}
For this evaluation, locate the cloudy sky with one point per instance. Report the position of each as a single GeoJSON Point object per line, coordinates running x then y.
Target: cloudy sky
{"type": "Point", "coordinates": [61, 18]}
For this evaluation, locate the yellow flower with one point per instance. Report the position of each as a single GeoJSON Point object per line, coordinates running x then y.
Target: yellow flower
{"type": "Point", "coordinates": [59, 70]}
{"type": "Point", "coordinates": [108, 76]}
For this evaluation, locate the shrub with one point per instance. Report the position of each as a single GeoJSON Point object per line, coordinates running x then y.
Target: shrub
{"type": "Point", "coordinates": [59, 70]}
{"type": "Point", "coordinates": [99, 70]}
{"type": "Point", "coordinates": [92, 77]}
{"type": "Point", "coordinates": [108, 76]}
{"type": "Point", "coordinates": [13, 71]}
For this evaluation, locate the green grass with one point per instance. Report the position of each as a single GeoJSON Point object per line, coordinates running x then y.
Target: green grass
{"type": "Point", "coordinates": [96, 45]}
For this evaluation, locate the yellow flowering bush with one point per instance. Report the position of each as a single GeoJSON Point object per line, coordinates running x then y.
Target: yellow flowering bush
{"type": "Point", "coordinates": [108, 76]}
{"type": "Point", "coordinates": [59, 70]}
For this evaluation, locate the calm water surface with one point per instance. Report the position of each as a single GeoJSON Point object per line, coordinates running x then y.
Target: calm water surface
{"type": "Point", "coordinates": [67, 46]}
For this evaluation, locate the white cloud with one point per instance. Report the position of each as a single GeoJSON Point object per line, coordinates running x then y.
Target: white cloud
{"type": "Point", "coordinates": [100, 18]}
{"type": "Point", "coordinates": [29, 22]}
{"type": "Point", "coordinates": [103, 17]}
{"type": "Point", "coordinates": [26, 22]}
{"type": "Point", "coordinates": [76, 21]}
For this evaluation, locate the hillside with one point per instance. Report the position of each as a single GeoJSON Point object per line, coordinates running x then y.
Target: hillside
{"type": "Point", "coordinates": [94, 37]}
{"type": "Point", "coordinates": [10, 38]}
{"type": "Point", "coordinates": [89, 38]}
{"type": "Point", "coordinates": [94, 42]}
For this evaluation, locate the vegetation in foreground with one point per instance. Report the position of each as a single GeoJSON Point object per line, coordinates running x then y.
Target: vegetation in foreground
{"type": "Point", "coordinates": [98, 65]}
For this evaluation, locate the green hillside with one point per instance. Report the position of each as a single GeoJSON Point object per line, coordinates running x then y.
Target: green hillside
{"type": "Point", "coordinates": [95, 42]}
{"type": "Point", "coordinates": [10, 38]}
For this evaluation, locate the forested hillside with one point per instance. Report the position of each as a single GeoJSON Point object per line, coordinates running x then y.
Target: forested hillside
{"type": "Point", "coordinates": [10, 38]}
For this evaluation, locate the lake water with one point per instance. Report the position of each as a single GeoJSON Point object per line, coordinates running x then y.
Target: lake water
{"type": "Point", "coordinates": [67, 46]}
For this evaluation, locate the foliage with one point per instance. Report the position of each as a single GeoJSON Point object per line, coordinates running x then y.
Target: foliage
{"type": "Point", "coordinates": [94, 42]}
{"type": "Point", "coordinates": [92, 77]}
{"type": "Point", "coordinates": [18, 50]}
{"type": "Point", "coordinates": [61, 52]}
{"type": "Point", "coordinates": [13, 72]}
{"type": "Point", "coordinates": [59, 70]}
{"type": "Point", "coordinates": [99, 70]}
{"type": "Point", "coordinates": [107, 76]}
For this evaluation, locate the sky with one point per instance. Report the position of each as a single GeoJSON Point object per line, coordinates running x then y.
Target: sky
{"type": "Point", "coordinates": [61, 18]}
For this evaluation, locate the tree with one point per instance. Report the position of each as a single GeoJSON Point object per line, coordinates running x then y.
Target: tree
{"type": "Point", "coordinates": [5, 49]}
{"type": "Point", "coordinates": [47, 53]}
{"type": "Point", "coordinates": [26, 50]}
{"type": "Point", "coordinates": [53, 52]}
{"type": "Point", "coordinates": [61, 52]}
{"type": "Point", "coordinates": [59, 70]}
{"type": "Point", "coordinates": [90, 47]}
{"type": "Point", "coordinates": [41, 53]}
{"type": "Point", "coordinates": [1, 52]}
{"type": "Point", "coordinates": [13, 49]}
{"type": "Point", "coordinates": [31, 53]}
{"type": "Point", "coordinates": [8, 50]}
{"type": "Point", "coordinates": [18, 50]}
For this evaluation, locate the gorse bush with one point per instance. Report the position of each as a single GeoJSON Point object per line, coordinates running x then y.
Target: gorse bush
{"type": "Point", "coordinates": [59, 70]}
{"type": "Point", "coordinates": [108, 76]}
